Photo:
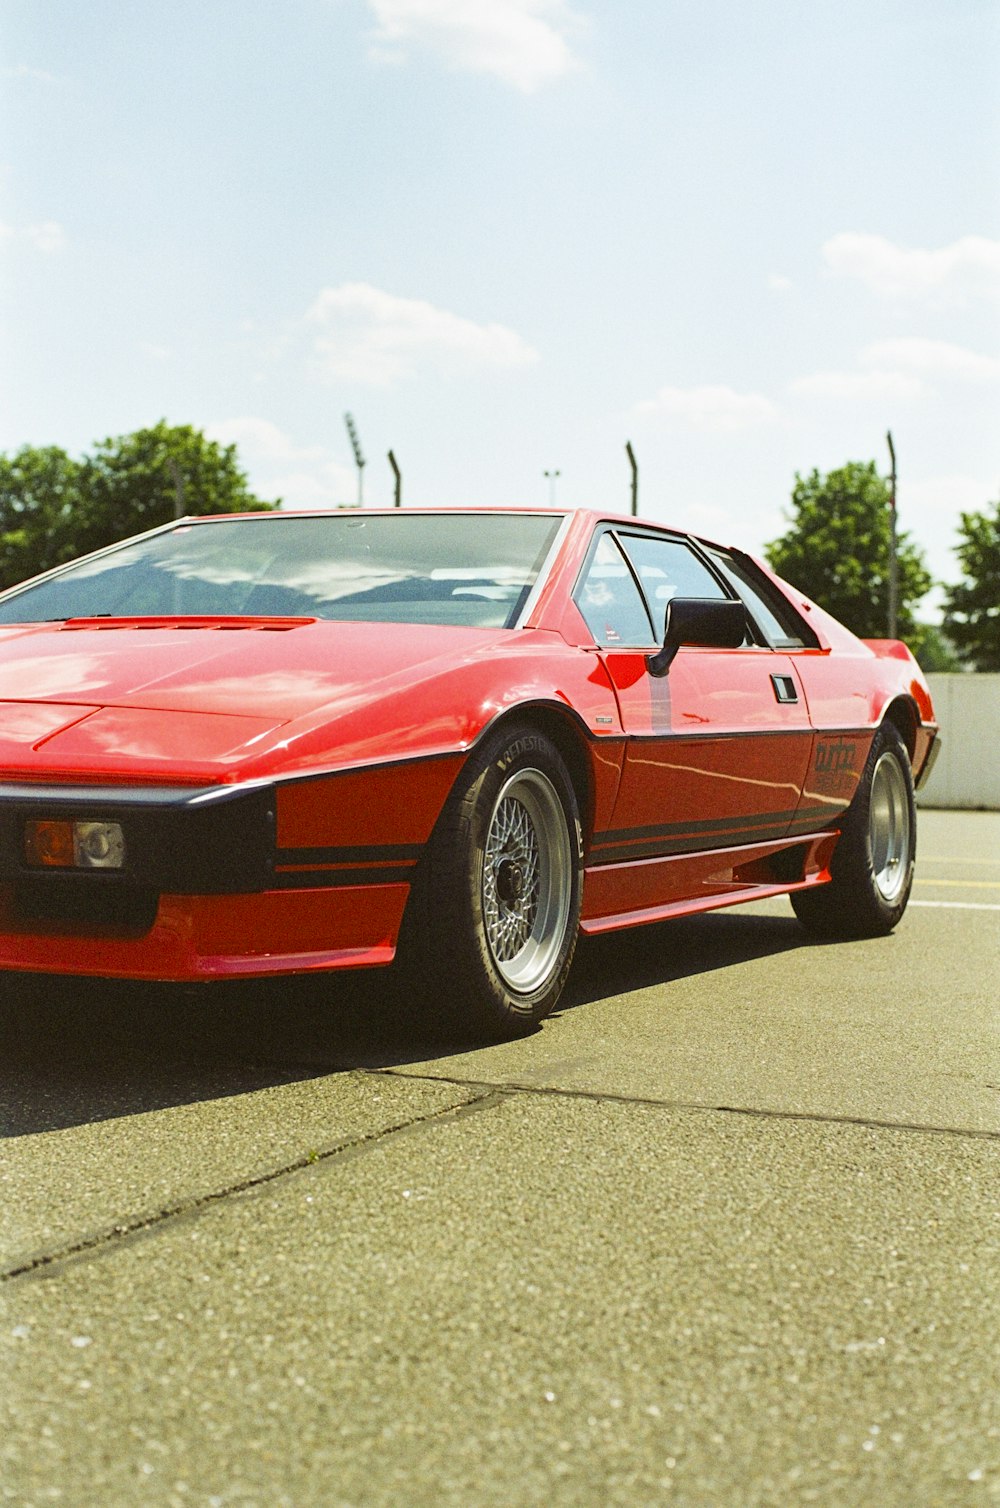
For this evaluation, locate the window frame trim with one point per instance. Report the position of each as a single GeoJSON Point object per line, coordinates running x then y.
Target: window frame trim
{"type": "Point", "coordinates": [621, 532]}
{"type": "Point", "coordinates": [808, 637]}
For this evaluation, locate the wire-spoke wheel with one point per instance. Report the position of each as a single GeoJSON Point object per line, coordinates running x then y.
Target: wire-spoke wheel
{"type": "Point", "coordinates": [493, 919]}
{"type": "Point", "coordinates": [871, 873]}
{"type": "Point", "coordinates": [527, 868]}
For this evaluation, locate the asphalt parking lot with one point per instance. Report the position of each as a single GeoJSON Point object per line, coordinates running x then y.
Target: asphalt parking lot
{"type": "Point", "coordinates": [725, 1231]}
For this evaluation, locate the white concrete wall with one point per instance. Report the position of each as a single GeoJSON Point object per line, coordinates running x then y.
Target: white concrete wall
{"type": "Point", "coordinates": [967, 773]}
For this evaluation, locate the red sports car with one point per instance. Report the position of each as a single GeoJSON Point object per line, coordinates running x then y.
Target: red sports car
{"type": "Point", "coordinates": [267, 744]}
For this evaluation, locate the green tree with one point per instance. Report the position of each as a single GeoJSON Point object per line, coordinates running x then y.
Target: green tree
{"type": "Point", "coordinates": [134, 482]}
{"type": "Point", "coordinates": [837, 551]}
{"type": "Point", "coordinates": [40, 500]}
{"type": "Point", "coordinates": [972, 608]}
{"type": "Point", "coordinates": [53, 508]}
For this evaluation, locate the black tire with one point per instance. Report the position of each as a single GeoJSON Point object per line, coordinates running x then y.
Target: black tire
{"type": "Point", "coordinates": [872, 867]}
{"type": "Point", "coordinates": [492, 923]}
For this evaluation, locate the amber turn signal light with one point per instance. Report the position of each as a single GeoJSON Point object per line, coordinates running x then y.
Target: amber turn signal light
{"type": "Point", "coordinates": [49, 844]}
{"type": "Point", "coordinates": [74, 845]}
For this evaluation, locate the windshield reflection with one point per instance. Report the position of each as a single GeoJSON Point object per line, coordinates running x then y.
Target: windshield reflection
{"type": "Point", "coordinates": [460, 568]}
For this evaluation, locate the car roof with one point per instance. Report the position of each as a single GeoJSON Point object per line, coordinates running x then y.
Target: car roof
{"type": "Point", "coordinates": [597, 516]}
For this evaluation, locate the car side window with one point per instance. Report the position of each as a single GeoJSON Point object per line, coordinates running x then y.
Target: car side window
{"type": "Point", "coordinates": [771, 613]}
{"type": "Point", "coordinates": [668, 568]}
{"type": "Point", "coordinates": [610, 601]}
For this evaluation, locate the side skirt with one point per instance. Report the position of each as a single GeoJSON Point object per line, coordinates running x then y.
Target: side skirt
{"type": "Point", "coordinates": [631, 894]}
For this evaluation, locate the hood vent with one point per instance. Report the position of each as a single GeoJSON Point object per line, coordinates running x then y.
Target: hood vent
{"type": "Point", "coordinates": [262, 625]}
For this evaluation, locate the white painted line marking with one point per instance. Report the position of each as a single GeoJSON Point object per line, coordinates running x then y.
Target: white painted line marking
{"type": "Point", "coordinates": [957, 905]}
{"type": "Point", "coordinates": [929, 858]}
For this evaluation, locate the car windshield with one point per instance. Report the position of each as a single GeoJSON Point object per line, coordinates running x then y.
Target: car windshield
{"type": "Point", "coordinates": [474, 569]}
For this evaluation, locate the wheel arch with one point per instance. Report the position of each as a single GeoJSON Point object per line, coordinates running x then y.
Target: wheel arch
{"type": "Point", "coordinates": [563, 729]}
{"type": "Point", "coordinates": [903, 715]}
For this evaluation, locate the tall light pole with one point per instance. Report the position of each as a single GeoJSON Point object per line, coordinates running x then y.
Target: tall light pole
{"type": "Point", "coordinates": [358, 457]}
{"type": "Point", "coordinates": [893, 554]}
{"type": "Point", "coordinates": [552, 475]}
{"type": "Point", "coordinates": [635, 477]}
{"type": "Point", "coordinates": [397, 492]}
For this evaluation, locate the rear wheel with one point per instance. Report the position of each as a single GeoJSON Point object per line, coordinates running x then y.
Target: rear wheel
{"type": "Point", "coordinates": [493, 922]}
{"type": "Point", "coordinates": [872, 868]}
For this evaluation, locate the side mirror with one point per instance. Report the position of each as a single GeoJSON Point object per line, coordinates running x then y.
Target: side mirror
{"type": "Point", "coordinates": [710, 622]}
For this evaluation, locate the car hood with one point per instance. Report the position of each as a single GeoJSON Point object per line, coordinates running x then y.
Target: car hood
{"type": "Point", "coordinates": [201, 700]}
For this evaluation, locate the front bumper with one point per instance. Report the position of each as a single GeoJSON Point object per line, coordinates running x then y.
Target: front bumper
{"type": "Point", "coordinates": [201, 937]}
{"type": "Point", "coordinates": [201, 896]}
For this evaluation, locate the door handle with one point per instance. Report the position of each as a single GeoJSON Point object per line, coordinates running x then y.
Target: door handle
{"type": "Point", "coordinates": [784, 688]}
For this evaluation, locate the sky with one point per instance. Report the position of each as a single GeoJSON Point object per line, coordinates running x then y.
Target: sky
{"type": "Point", "coordinates": [748, 236]}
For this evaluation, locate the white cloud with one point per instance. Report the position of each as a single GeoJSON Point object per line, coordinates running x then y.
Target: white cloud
{"type": "Point", "coordinates": [523, 42]}
{"type": "Point", "coordinates": [303, 476]}
{"type": "Point", "coordinates": [367, 335]}
{"type": "Point", "coordinates": [778, 283]}
{"type": "Point", "coordinates": [931, 358]}
{"type": "Point", "coordinates": [25, 71]}
{"type": "Point", "coordinates": [45, 236]}
{"type": "Point", "coordinates": [874, 386]}
{"type": "Point", "coordinates": [900, 369]}
{"type": "Point", "coordinates": [711, 407]}
{"type": "Point", "coordinates": [958, 274]}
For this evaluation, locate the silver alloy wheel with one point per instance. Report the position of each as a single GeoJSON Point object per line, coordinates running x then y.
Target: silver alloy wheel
{"type": "Point", "coordinates": [527, 880]}
{"type": "Point", "coordinates": [890, 828]}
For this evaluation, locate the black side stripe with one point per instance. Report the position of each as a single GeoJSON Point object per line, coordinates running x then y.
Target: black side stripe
{"type": "Point", "coordinates": [385, 853]}
{"type": "Point", "coordinates": [673, 838]}
{"type": "Point", "coordinates": [337, 879]}
{"type": "Point", "coordinates": [706, 826]}
{"type": "Point", "coordinates": [811, 816]}
{"type": "Point", "coordinates": [664, 848]}
{"type": "Point", "coordinates": [335, 868]}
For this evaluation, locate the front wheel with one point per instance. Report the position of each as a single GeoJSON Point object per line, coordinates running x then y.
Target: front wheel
{"type": "Point", "coordinates": [872, 867]}
{"type": "Point", "coordinates": [495, 914]}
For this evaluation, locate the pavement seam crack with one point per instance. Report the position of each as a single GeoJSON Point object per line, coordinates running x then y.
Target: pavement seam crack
{"type": "Point", "coordinates": [509, 1089]}
{"type": "Point", "coordinates": [121, 1231]}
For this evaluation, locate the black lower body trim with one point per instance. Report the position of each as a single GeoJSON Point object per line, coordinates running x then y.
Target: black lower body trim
{"type": "Point", "coordinates": [334, 868]}
{"type": "Point", "coordinates": [670, 838]}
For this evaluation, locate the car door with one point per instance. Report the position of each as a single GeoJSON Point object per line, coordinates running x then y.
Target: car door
{"type": "Point", "coordinates": [717, 750]}
{"type": "Point", "coordinates": [830, 685]}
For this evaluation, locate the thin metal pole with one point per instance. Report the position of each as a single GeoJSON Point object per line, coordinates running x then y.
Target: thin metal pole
{"type": "Point", "coordinates": [397, 495]}
{"type": "Point", "coordinates": [358, 457]}
{"type": "Point", "coordinates": [893, 552]}
{"type": "Point", "coordinates": [635, 477]}
{"type": "Point", "coordinates": [552, 475]}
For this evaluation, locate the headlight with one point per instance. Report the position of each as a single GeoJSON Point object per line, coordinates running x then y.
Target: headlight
{"type": "Point", "coordinates": [74, 845]}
